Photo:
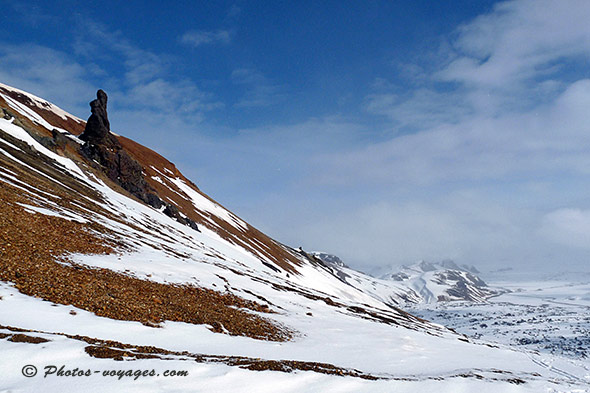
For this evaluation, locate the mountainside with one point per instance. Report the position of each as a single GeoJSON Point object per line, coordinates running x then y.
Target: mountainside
{"type": "Point", "coordinates": [107, 252]}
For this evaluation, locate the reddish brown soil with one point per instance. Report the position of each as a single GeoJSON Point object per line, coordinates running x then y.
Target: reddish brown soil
{"type": "Point", "coordinates": [250, 238]}
{"type": "Point", "coordinates": [23, 338]}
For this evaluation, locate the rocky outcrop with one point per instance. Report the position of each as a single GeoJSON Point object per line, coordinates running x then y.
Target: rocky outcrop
{"type": "Point", "coordinates": [98, 127]}
{"type": "Point", "coordinates": [328, 258]}
{"type": "Point", "coordinates": [103, 147]}
{"type": "Point", "coordinates": [5, 114]}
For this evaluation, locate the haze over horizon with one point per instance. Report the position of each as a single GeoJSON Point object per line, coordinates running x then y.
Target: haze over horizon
{"type": "Point", "coordinates": [384, 133]}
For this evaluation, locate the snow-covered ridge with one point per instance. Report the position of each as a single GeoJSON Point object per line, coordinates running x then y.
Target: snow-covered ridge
{"type": "Point", "coordinates": [43, 104]}
{"type": "Point", "coordinates": [206, 246]}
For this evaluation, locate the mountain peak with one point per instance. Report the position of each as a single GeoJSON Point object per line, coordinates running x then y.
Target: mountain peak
{"type": "Point", "coordinates": [443, 281]}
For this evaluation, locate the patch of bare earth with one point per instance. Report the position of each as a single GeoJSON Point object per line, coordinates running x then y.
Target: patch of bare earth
{"type": "Point", "coordinates": [23, 338]}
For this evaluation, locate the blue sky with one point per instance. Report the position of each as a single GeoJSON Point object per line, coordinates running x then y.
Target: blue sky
{"type": "Point", "coordinates": [384, 132]}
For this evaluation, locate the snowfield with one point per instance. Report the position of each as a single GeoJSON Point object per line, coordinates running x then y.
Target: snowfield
{"type": "Point", "coordinates": [549, 320]}
{"type": "Point", "coordinates": [408, 361]}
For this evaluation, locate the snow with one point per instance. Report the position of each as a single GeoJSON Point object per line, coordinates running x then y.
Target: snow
{"type": "Point", "coordinates": [548, 320]}
{"type": "Point", "coordinates": [19, 133]}
{"type": "Point", "coordinates": [48, 212]}
{"type": "Point", "coordinates": [157, 178]}
{"type": "Point", "coordinates": [202, 203]}
{"type": "Point", "coordinates": [343, 341]}
{"type": "Point", "coordinates": [31, 114]}
{"type": "Point", "coordinates": [419, 283]}
{"type": "Point", "coordinates": [201, 377]}
{"type": "Point", "coordinates": [41, 103]}
{"type": "Point", "coordinates": [13, 181]}
{"type": "Point", "coordinates": [343, 337]}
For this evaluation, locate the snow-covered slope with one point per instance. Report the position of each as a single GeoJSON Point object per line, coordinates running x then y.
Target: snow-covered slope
{"type": "Point", "coordinates": [389, 292]}
{"type": "Point", "coordinates": [92, 271]}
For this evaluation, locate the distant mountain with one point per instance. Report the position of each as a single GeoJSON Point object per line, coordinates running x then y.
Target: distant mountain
{"type": "Point", "coordinates": [442, 281]}
{"type": "Point", "coordinates": [450, 264]}
{"type": "Point", "coordinates": [422, 282]}
{"type": "Point", "coordinates": [388, 292]}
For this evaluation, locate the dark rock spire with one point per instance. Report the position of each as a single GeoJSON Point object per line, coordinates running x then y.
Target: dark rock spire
{"type": "Point", "coordinates": [97, 126]}
{"type": "Point", "coordinates": [104, 149]}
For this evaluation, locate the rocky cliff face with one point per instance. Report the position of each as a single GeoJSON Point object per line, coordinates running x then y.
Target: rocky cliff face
{"type": "Point", "coordinates": [104, 148]}
{"type": "Point", "coordinates": [422, 282]}
{"type": "Point", "coordinates": [328, 258]}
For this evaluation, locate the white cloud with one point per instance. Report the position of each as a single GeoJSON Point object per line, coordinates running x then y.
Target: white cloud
{"type": "Point", "coordinates": [147, 81]}
{"type": "Point", "coordinates": [467, 226]}
{"type": "Point", "coordinates": [198, 38]}
{"type": "Point", "coordinates": [97, 43]}
{"type": "Point", "coordinates": [393, 234]}
{"type": "Point", "coordinates": [547, 139]}
{"type": "Point", "coordinates": [515, 111]}
{"type": "Point", "coordinates": [510, 133]}
{"type": "Point", "coordinates": [468, 166]}
{"type": "Point", "coordinates": [519, 41]}
{"type": "Point", "coordinates": [181, 97]}
{"type": "Point", "coordinates": [570, 227]}
{"type": "Point", "coordinates": [422, 109]}
{"type": "Point", "coordinates": [48, 73]}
